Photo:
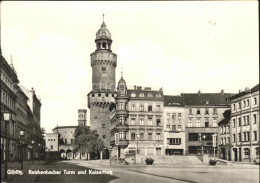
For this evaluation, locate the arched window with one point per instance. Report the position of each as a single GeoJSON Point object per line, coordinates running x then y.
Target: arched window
{"type": "Point", "coordinates": [150, 95]}
{"type": "Point", "coordinates": [104, 45]}
{"type": "Point", "coordinates": [133, 94]}
{"type": "Point", "coordinates": [158, 95]}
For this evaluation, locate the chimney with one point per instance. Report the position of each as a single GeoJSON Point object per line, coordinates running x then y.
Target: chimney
{"type": "Point", "coordinates": [247, 88]}
{"type": "Point", "coordinates": [222, 92]}
{"type": "Point", "coordinates": [199, 92]}
{"type": "Point", "coordinates": [240, 90]}
{"type": "Point", "coordinates": [139, 88]}
{"type": "Point", "coordinates": [135, 87]}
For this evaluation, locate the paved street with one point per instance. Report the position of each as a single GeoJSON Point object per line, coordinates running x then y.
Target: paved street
{"type": "Point", "coordinates": [140, 173]}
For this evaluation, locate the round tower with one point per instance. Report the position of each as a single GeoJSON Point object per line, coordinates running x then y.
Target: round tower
{"type": "Point", "coordinates": [103, 63]}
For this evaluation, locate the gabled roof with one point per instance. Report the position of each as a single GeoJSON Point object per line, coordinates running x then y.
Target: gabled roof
{"type": "Point", "coordinates": [171, 100]}
{"type": "Point", "coordinates": [206, 98]}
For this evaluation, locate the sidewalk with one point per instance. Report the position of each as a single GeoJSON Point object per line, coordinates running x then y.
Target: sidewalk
{"type": "Point", "coordinates": [234, 165]}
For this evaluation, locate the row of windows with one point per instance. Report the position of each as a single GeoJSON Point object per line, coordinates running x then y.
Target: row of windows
{"type": "Point", "coordinates": [51, 139]}
{"type": "Point", "coordinates": [246, 121]}
{"type": "Point", "coordinates": [174, 127]}
{"type": "Point", "coordinates": [82, 115]}
{"type": "Point", "coordinates": [224, 129]}
{"type": "Point", "coordinates": [206, 111]}
{"type": "Point", "coordinates": [141, 121]}
{"type": "Point", "coordinates": [149, 108]}
{"type": "Point", "coordinates": [245, 137]}
{"type": "Point", "coordinates": [245, 103]}
{"type": "Point", "coordinates": [7, 81]}
{"type": "Point", "coordinates": [206, 124]}
{"type": "Point", "coordinates": [224, 141]}
{"type": "Point", "coordinates": [99, 95]}
{"type": "Point", "coordinates": [7, 100]}
{"type": "Point", "coordinates": [174, 141]}
{"type": "Point", "coordinates": [149, 136]}
{"type": "Point", "coordinates": [149, 95]}
{"type": "Point", "coordinates": [173, 115]}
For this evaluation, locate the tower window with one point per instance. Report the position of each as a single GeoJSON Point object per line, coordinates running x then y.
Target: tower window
{"type": "Point", "coordinates": [103, 69]}
{"type": "Point", "coordinates": [98, 45]}
{"type": "Point", "coordinates": [104, 45]}
{"type": "Point", "coordinates": [93, 95]}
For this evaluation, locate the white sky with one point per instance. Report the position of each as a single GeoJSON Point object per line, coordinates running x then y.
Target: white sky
{"type": "Point", "coordinates": [180, 46]}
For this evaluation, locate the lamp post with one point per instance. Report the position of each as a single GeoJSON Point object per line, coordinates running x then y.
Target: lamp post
{"type": "Point", "coordinates": [32, 150]}
{"type": "Point", "coordinates": [21, 145]}
{"type": "Point", "coordinates": [137, 136]}
{"type": "Point", "coordinates": [7, 117]}
{"type": "Point", "coordinates": [203, 142]}
{"type": "Point", "coordinates": [39, 150]}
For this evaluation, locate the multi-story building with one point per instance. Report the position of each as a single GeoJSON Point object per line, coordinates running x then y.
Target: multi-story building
{"type": "Point", "coordinates": [224, 136]}
{"type": "Point", "coordinates": [137, 116]}
{"type": "Point", "coordinates": [66, 140]}
{"type": "Point", "coordinates": [103, 63]}
{"type": "Point", "coordinates": [82, 117]}
{"type": "Point", "coordinates": [51, 146]}
{"type": "Point", "coordinates": [174, 125]}
{"type": "Point", "coordinates": [24, 122]}
{"type": "Point", "coordinates": [9, 80]}
{"type": "Point", "coordinates": [36, 135]}
{"type": "Point", "coordinates": [244, 127]}
{"type": "Point", "coordinates": [203, 111]}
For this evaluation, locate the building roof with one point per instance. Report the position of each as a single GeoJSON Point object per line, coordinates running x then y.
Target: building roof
{"type": "Point", "coordinates": [171, 100]}
{"type": "Point", "coordinates": [246, 91]}
{"type": "Point", "coordinates": [206, 98]}
{"type": "Point", "coordinates": [147, 93]}
{"type": "Point", "coordinates": [59, 127]}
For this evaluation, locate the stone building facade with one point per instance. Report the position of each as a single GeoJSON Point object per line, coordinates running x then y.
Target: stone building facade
{"type": "Point", "coordinates": [9, 80]}
{"type": "Point", "coordinates": [137, 117]}
{"type": "Point", "coordinates": [224, 136]}
{"type": "Point", "coordinates": [174, 125]}
{"type": "Point", "coordinates": [103, 63]}
{"type": "Point", "coordinates": [51, 146]}
{"type": "Point", "coordinates": [25, 108]}
{"type": "Point", "coordinates": [66, 140]}
{"type": "Point", "coordinates": [203, 112]}
{"type": "Point", "coordinates": [244, 128]}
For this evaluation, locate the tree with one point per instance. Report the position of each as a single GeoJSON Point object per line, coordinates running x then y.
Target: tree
{"type": "Point", "coordinates": [88, 140]}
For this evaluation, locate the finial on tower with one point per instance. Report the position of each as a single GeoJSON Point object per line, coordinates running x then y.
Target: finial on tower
{"type": "Point", "coordinates": [103, 17]}
{"type": "Point", "coordinates": [121, 72]}
{"type": "Point", "coordinates": [11, 62]}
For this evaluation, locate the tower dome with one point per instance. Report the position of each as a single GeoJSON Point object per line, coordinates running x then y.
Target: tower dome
{"type": "Point", "coordinates": [103, 32]}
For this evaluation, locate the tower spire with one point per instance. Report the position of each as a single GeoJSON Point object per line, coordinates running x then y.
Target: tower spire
{"type": "Point", "coordinates": [121, 72]}
{"type": "Point", "coordinates": [103, 17]}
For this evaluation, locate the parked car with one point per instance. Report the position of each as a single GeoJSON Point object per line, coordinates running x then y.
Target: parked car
{"type": "Point", "coordinates": [256, 161]}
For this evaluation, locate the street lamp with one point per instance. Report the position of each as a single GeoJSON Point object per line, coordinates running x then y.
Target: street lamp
{"type": "Point", "coordinates": [137, 136]}
{"type": "Point", "coordinates": [21, 145]}
{"type": "Point", "coordinates": [7, 117]}
{"type": "Point", "coordinates": [32, 150]}
{"type": "Point", "coordinates": [39, 150]}
{"type": "Point", "coordinates": [202, 143]}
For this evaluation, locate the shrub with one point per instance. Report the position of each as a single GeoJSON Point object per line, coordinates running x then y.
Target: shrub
{"type": "Point", "coordinates": [212, 162]}
{"type": "Point", "coordinates": [149, 161]}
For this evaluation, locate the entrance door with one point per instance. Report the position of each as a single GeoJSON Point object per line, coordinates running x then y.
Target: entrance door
{"type": "Point", "coordinates": [235, 154]}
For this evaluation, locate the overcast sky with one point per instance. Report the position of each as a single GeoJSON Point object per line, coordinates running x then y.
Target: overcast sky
{"type": "Point", "coordinates": [180, 46]}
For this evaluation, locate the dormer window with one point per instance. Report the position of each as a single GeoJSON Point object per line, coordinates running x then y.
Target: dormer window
{"type": "Point", "coordinates": [158, 95]}
{"type": "Point", "coordinates": [133, 94]}
{"type": "Point", "coordinates": [150, 95]}
{"type": "Point", "coordinates": [141, 95]}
